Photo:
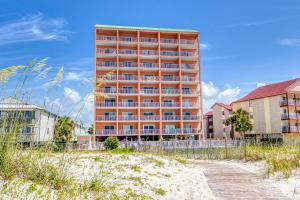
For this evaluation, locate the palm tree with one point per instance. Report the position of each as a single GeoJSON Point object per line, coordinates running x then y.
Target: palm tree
{"type": "Point", "coordinates": [63, 129]}
{"type": "Point", "coordinates": [240, 121]}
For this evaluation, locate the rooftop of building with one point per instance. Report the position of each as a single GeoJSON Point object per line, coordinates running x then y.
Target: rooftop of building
{"type": "Point", "coordinates": [269, 90]}
{"type": "Point", "coordinates": [208, 114]}
{"type": "Point", "coordinates": [223, 105]}
{"type": "Point", "coordinates": [145, 28]}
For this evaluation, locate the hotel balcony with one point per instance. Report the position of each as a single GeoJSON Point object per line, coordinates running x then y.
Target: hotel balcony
{"type": "Point", "coordinates": [290, 103]}
{"type": "Point", "coordinates": [169, 43]}
{"type": "Point", "coordinates": [149, 117]}
{"type": "Point", "coordinates": [169, 67]}
{"type": "Point", "coordinates": [128, 66]}
{"type": "Point", "coordinates": [148, 42]}
{"type": "Point", "coordinates": [190, 131]}
{"type": "Point", "coordinates": [291, 129]}
{"type": "Point", "coordinates": [190, 117]}
{"type": "Point", "coordinates": [169, 79]}
{"type": "Point", "coordinates": [148, 54]}
{"type": "Point", "coordinates": [128, 132]}
{"type": "Point", "coordinates": [171, 118]}
{"type": "Point", "coordinates": [149, 79]}
{"type": "Point", "coordinates": [189, 67]}
{"type": "Point", "coordinates": [149, 92]}
{"type": "Point", "coordinates": [128, 104]}
{"type": "Point", "coordinates": [127, 53]}
{"type": "Point", "coordinates": [127, 78]}
{"type": "Point", "coordinates": [128, 118]}
{"type": "Point", "coordinates": [105, 132]}
{"type": "Point", "coordinates": [149, 104]}
{"type": "Point", "coordinates": [189, 92]}
{"type": "Point", "coordinates": [188, 44]}
{"type": "Point", "coordinates": [186, 55]}
{"type": "Point", "coordinates": [150, 132]}
{"type": "Point", "coordinates": [190, 105]}
{"type": "Point", "coordinates": [126, 91]}
{"type": "Point", "coordinates": [106, 53]}
{"type": "Point", "coordinates": [189, 79]}
{"type": "Point", "coordinates": [171, 131]}
{"type": "Point", "coordinates": [171, 105]}
{"type": "Point", "coordinates": [292, 116]}
{"type": "Point", "coordinates": [106, 118]}
{"type": "Point", "coordinates": [106, 40]}
{"type": "Point", "coordinates": [106, 104]}
{"type": "Point", "coordinates": [145, 66]}
{"type": "Point", "coordinates": [169, 55]}
{"type": "Point", "coordinates": [171, 92]}
{"type": "Point", "coordinates": [109, 65]}
{"type": "Point", "coordinates": [106, 91]}
{"type": "Point", "coordinates": [127, 41]}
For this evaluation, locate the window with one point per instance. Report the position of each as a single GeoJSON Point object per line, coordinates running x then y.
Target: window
{"type": "Point", "coordinates": [148, 114]}
{"type": "Point", "coordinates": [148, 127]}
{"type": "Point", "coordinates": [250, 103]}
{"type": "Point", "coordinates": [168, 114]}
{"type": "Point", "coordinates": [223, 112]}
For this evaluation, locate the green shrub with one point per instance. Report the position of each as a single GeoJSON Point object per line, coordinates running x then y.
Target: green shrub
{"type": "Point", "coordinates": [111, 143]}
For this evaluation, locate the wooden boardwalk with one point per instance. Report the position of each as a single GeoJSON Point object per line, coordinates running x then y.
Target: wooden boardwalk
{"type": "Point", "coordinates": [233, 183]}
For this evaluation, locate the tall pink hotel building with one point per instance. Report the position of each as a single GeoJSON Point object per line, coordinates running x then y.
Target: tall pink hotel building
{"type": "Point", "coordinates": [152, 88]}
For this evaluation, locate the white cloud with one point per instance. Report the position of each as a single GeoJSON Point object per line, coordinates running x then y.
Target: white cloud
{"type": "Point", "coordinates": [73, 76]}
{"type": "Point", "coordinates": [260, 84]}
{"type": "Point", "coordinates": [212, 94]}
{"type": "Point", "coordinates": [72, 95]}
{"type": "Point", "coordinates": [205, 46]}
{"type": "Point", "coordinates": [291, 42]}
{"type": "Point", "coordinates": [33, 28]}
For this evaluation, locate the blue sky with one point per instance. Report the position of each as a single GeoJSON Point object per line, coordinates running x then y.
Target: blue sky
{"type": "Point", "coordinates": [244, 43]}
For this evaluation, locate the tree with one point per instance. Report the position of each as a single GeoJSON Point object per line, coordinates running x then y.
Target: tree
{"type": "Point", "coordinates": [91, 129]}
{"type": "Point", "coordinates": [240, 121]}
{"type": "Point", "coordinates": [63, 129]}
{"type": "Point", "coordinates": [111, 143]}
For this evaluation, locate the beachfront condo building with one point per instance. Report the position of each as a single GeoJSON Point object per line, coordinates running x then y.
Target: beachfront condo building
{"type": "Point", "coordinates": [147, 83]}
{"type": "Point", "coordinates": [274, 110]}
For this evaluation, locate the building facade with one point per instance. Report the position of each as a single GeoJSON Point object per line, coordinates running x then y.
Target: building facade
{"type": "Point", "coordinates": [221, 112]}
{"type": "Point", "coordinates": [208, 127]}
{"type": "Point", "coordinates": [152, 87]}
{"type": "Point", "coordinates": [274, 111]}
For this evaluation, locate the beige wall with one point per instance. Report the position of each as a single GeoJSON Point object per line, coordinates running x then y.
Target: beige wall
{"type": "Point", "coordinates": [218, 124]}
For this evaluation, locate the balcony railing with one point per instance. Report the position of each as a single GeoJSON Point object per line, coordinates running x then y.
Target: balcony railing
{"type": "Point", "coordinates": [148, 40]}
{"type": "Point", "coordinates": [127, 52]}
{"type": "Point", "coordinates": [170, 78]}
{"type": "Point", "coordinates": [190, 130]}
{"type": "Point", "coordinates": [169, 66]}
{"type": "Point", "coordinates": [168, 41]}
{"type": "Point", "coordinates": [106, 104]}
{"type": "Point", "coordinates": [290, 116]}
{"type": "Point", "coordinates": [106, 91]}
{"type": "Point", "coordinates": [127, 39]}
{"type": "Point", "coordinates": [149, 91]}
{"type": "Point", "coordinates": [127, 104]}
{"type": "Point", "coordinates": [127, 91]}
{"type": "Point", "coordinates": [291, 129]}
{"type": "Point", "coordinates": [111, 77]}
{"type": "Point", "coordinates": [171, 117]}
{"type": "Point", "coordinates": [170, 104]}
{"type": "Point", "coordinates": [106, 118]}
{"type": "Point", "coordinates": [150, 104]}
{"type": "Point", "coordinates": [127, 77]}
{"type": "Point", "coordinates": [189, 104]}
{"type": "Point", "coordinates": [148, 65]}
{"type": "Point", "coordinates": [289, 103]}
{"type": "Point", "coordinates": [128, 64]}
{"type": "Point", "coordinates": [106, 38]}
{"type": "Point", "coordinates": [190, 117]}
{"type": "Point", "coordinates": [148, 52]}
{"type": "Point", "coordinates": [105, 132]}
{"type": "Point", "coordinates": [150, 78]}
{"type": "Point", "coordinates": [128, 118]}
{"type": "Point", "coordinates": [188, 42]}
{"type": "Point", "coordinates": [188, 78]}
{"type": "Point", "coordinates": [171, 131]}
{"type": "Point", "coordinates": [150, 132]}
{"type": "Point", "coordinates": [193, 92]}
{"type": "Point", "coordinates": [107, 64]}
{"type": "Point", "coordinates": [187, 66]}
{"type": "Point", "coordinates": [169, 53]}
{"type": "Point", "coordinates": [150, 117]}
{"type": "Point", "coordinates": [170, 91]}
{"type": "Point", "coordinates": [128, 132]}
{"type": "Point", "coordinates": [106, 51]}
{"type": "Point", "coordinates": [187, 53]}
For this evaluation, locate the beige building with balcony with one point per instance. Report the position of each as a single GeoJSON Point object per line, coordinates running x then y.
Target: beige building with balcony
{"type": "Point", "coordinates": [221, 112]}
{"type": "Point", "coordinates": [274, 110]}
{"type": "Point", "coordinates": [153, 91]}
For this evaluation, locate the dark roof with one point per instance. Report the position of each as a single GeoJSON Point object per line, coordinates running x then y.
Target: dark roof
{"type": "Point", "coordinates": [268, 90]}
